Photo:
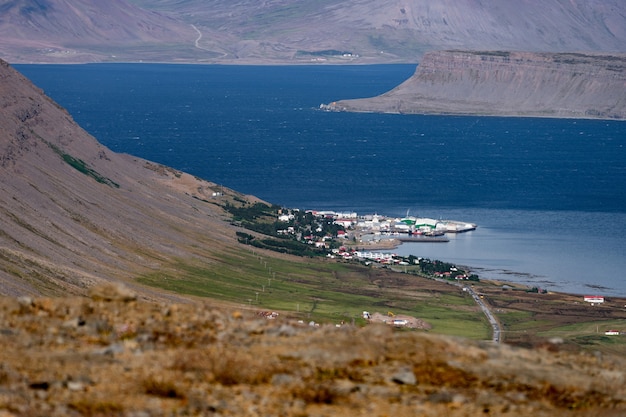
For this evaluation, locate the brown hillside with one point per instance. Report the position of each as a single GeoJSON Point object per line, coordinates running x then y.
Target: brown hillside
{"type": "Point", "coordinates": [87, 30]}
{"type": "Point", "coordinates": [109, 355]}
{"type": "Point", "coordinates": [296, 31]}
{"type": "Point", "coordinates": [74, 213]}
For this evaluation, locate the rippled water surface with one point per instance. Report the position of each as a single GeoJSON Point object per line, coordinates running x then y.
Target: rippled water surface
{"type": "Point", "coordinates": [548, 195]}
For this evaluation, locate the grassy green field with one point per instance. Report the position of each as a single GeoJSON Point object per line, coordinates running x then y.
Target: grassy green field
{"type": "Point", "coordinates": [323, 291]}
{"type": "Point", "coordinates": [531, 319]}
{"type": "Point", "coordinates": [591, 335]}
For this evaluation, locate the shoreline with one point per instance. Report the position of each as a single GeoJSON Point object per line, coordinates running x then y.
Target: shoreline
{"type": "Point", "coordinates": [530, 264]}
{"type": "Point", "coordinates": [516, 285]}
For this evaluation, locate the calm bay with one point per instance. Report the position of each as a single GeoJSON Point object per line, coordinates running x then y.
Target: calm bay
{"type": "Point", "coordinates": [548, 195]}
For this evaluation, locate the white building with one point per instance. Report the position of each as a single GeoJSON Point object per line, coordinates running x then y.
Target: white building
{"type": "Point", "coordinates": [593, 299]}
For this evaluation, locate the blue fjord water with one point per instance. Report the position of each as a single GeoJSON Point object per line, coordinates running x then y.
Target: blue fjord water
{"type": "Point", "coordinates": [548, 195]}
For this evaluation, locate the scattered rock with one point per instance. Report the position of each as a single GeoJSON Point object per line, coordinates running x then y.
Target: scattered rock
{"type": "Point", "coordinates": [41, 385]}
{"type": "Point", "coordinates": [110, 350]}
{"type": "Point", "coordinates": [195, 360]}
{"type": "Point", "coordinates": [404, 376]}
{"type": "Point", "coordinates": [25, 301]}
{"type": "Point", "coordinates": [75, 386]}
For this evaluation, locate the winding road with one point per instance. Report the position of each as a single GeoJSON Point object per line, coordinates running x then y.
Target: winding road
{"type": "Point", "coordinates": [495, 325]}
{"type": "Point", "coordinates": [497, 332]}
{"type": "Point", "coordinates": [197, 42]}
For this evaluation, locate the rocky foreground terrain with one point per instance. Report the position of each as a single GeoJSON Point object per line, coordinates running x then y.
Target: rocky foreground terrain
{"type": "Point", "coordinates": [109, 354]}
{"type": "Point", "coordinates": [568, 85]}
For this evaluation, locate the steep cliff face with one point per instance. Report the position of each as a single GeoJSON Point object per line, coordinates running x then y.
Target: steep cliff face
{"type": "Point", "coordinates": [507, 84]}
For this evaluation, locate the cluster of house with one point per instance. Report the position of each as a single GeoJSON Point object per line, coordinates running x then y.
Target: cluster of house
{"type": "Point", "coordinates": [384, 224]}
{"type": "Point", "coordinates": [449, 274]}
{"type": "Point", "coordinates": [379, 257]}
{"type": "Point", "coordinates": [379, 224]}
{"type": "Point", "coordinates": [270, 315]}
{"type": "Point", "coordinates": [345, 219]}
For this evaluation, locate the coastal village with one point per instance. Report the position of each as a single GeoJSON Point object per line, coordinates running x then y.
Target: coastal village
{"type": "Point", "coordinates": [370, 238]}
{"type": "Point", "coordinates": [339, 231]}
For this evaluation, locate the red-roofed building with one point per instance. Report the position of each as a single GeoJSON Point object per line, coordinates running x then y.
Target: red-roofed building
{"type": "Point", "coordinates": [594, 299]}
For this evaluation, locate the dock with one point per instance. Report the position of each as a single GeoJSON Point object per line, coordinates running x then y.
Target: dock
{"type": "Point", "coordinates": [422, 239]}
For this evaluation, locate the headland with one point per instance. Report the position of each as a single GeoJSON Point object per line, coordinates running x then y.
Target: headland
{"type": "Point", "coordinates": [506, 83]}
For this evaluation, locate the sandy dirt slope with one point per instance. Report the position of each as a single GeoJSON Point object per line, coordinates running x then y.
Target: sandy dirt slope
{"type": "Point", "coordinates": [113, 355]}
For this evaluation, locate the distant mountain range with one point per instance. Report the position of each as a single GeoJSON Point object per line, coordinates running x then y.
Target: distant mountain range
{"type": "Point", "coordinates": [293, 31]}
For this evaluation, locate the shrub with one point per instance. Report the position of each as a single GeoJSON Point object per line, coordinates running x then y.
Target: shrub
{"type": "Point", "coordinates": [229, 366]}
{"type": "Point", "coordinates": [87, 407]}
{"type": "Point", "coordinates": [160, 387]}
